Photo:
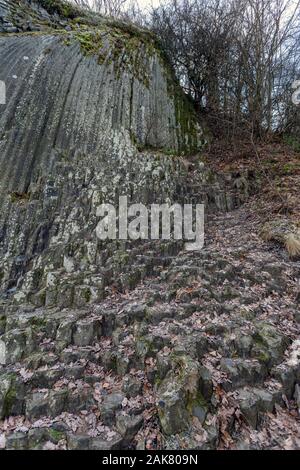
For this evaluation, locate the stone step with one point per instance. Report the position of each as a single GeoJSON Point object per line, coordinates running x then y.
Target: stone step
{"type": "Point", "coordinates": [241, 372]}
{"type": "Point", "coordinates": [59, 435]}
{"type": "Point", "coordinates": [52, 403]}
{"type": "Point", "coordinates": [36, 332]}
{"type": "Point", "coordinates": [253, 402]}
{"type": "Point", "coordinates": [72, 285]}
{"type": "Point", "coordinates": [191, 321]}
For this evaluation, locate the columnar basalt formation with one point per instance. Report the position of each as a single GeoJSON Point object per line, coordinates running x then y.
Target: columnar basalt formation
{"type": "Point", "coordinates": [92, 112]}
{"type": "Point", "coordinates": [105, 344]}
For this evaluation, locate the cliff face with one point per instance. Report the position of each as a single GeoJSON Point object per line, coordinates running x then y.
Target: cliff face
{"type": "Point", "coordinates": [88, 107]}
{"type": "Point", "coordinates": [92, 112]}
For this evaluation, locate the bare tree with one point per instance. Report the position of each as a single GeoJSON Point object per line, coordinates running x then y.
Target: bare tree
{"type": "Point", "coordinates": [233, 58]}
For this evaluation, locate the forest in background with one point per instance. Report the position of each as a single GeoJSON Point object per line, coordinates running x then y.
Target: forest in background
{"type": "Point", "coordinates": [238, 60]}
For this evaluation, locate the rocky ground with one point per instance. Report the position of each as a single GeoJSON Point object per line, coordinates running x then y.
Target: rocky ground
{"type": "Point", "coordinates": [124, 345]}
{"type": "Point", "coordinates": [203, 353]}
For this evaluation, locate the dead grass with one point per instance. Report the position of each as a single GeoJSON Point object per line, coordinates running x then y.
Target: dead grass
{"type": "Point", "coordinates": [284, 232]}
{"type": "Point", "coordinates": [292, 244]}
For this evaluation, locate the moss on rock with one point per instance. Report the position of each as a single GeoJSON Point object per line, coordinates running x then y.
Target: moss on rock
{"type": "Point", "coordinates": [61, 8]}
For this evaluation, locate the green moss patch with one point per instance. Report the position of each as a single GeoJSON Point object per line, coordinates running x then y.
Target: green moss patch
{"type": "Point", "coordinates": [19, 197]}
{"type": "Point", "coordinates": [124, 49]}
{"type": "Point", "coordinates": [56, 436]}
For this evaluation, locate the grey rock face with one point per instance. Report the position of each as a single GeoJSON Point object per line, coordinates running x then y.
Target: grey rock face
{"type": "Point", "coordinates": [158, 364]}
{"type": "Point", "coordinates": [102, 444]}
{"type": "Point", "coordinates": [17, 441]}
{"type": "Point", "coordinates": [253, 402]}
{"type": "Point", "coordinates": [78, 131]}
{"type": "Point", "coordinates": [11, 395]}
{"type": "Point", "coordinates": [242, 372]}
{"type": "Point", "coordinates": [270, 343]}
{"type": "Point", "coordinates": [128, 426]}
{"type": "Point", "coordinates": [37, 405]}
{"type": "Point", "coordinates": [86, 332]}
{"type": "Point", "coordinates": [179, 398]}
{"type": "Point", "coordinates": [131, 386]}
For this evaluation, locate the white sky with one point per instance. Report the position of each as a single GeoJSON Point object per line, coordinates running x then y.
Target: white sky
{"type": "Point", "coordinates": [146, 3]}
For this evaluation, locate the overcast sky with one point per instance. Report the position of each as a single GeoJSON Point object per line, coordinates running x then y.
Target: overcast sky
{"type": "Point", "coordinates": [145, 3]}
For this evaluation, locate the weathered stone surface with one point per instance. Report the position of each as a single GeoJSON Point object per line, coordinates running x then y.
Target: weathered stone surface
{"type": "Point", "coordinates": [80, 400]}
{"type": "Point", "coordinates": [132, 386]}
{"type": "Point", "coordinates": [243, 372]}
{"type": "Point", "coordinates": [78, 442]}
{"type": "Point", "coordinates": [11, 395]}
{"type": "Point", "coordinates": [111, 403]}
{"type": "Point", "coordinates": [37, 405]}
{"type": "Point", "coordinates": [46, 378]}
{"type": "Point", "coordinates": [101, 152]}
{"type": "Point", "coordinates": [108, 340]}
{"type": "Point", "coordinates": [128, 426]}
{"type": "Point", "coordinates": [38, 437]}
{"type": "Point", "coordinates": [205, 438]}
{"type": "Point", "coordinates": [248, 402]}
{"type": "Point", "coordinates": [163, 366]}
{"type": "Point", "coordinates": [297, 395]}
{"type": "Point", "coordinates": [17, 441]}
{"type": "Point", "coordinates": [2, 353]}
{"type": "Point", "coordinates": [270, 344]}
{"type": "Point", "coordinates": [87, 153]}
{"type": "Point", "coordinates": [174, 416]}
{"type": "Point", "coordinates": [179, 397]}
{"type": "Point", "coordinates": [15, 345]}
{"type": "Point", "coordinates": [205, 383]}
{"type": "Point", "coordinates": [286, 377]}
{"type": "Point", "coordinates": [252, 402]}
{"type": "Point", "coordinates": [65, 334]}
{"type": "Point", "coordinates": [86, 332]}
{"type": "Point", "coordinates": [58, 402]}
